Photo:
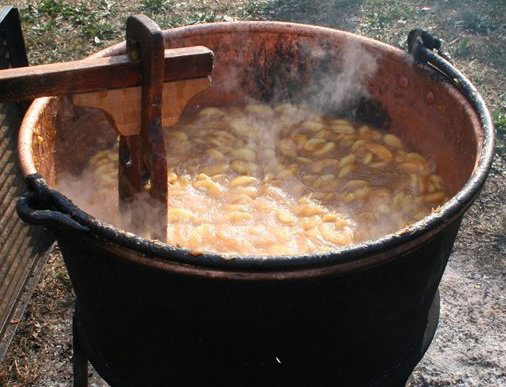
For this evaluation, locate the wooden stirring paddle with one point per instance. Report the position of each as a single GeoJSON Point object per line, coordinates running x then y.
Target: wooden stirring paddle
{"type": "Point", "coordinates": [142, 165]}
{"type": "Point", "coordinates": [130, 89]}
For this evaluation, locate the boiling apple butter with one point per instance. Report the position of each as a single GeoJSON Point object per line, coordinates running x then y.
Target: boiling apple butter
{"type": "Point", "coordinates": [275, 180]}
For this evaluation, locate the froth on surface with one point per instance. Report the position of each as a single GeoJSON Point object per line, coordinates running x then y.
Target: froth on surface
{"type": "Point", "coordinates": [273, 180]}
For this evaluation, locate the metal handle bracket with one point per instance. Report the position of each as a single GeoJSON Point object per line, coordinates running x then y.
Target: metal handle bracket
{"type": "Point", "coordinates": [428, 50]}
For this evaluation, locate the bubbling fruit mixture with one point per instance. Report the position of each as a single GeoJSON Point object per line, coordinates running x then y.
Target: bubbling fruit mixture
{"type": "Point", "coordinates": [282, 180]}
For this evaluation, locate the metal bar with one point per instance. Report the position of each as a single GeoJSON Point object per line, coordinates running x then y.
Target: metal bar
{"type": "Point", "coordinates": [79, 359]}
{"type": "Point", "coordinates": [422, 45]}
{"type": "Point", "coordinates": [10, 22]}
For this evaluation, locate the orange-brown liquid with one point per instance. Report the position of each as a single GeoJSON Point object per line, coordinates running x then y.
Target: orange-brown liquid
{"type": "Point", "coordinates": [262, 180]}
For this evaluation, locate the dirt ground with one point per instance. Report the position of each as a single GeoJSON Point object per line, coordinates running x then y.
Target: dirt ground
{"type": "Point", "coordinates": [469, 348]}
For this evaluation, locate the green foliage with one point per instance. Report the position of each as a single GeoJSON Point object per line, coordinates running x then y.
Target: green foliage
{"type": "Point", "coordinates": [255, 8]}
{"type": "Point", "coordinates": [477, 23]}
{"type": "Point", "coordinates": [380, 14]}
{"type": "Point", "coordinates": [205, 16]}
{"type": "Point", "coordinates": [167, 15]}
{"type": "Point", "coordinates": [464, 47]}
{"type": "Point", "coordinates": [168, 19]}
{"type": "Point", "coordinates": [500, 127]}
{"type": "Point", "coordinates": [499, 117]}
{"type": "Point", "coordinates": [53, 15]}
{"type": "Point", "coordinates": [155, 6]}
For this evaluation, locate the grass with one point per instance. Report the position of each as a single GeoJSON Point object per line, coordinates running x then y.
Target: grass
{"type": "Point", "coordinates": [255, 8]}
{"type": "Point", "coordinates": [464, 47]}
{"type": "Point", "coordinates": [43, 328]}
{"type": "Point", "coordinates": [477, 23]}
{"type": "Point", "coordinates": [156, 6]}
{"type": "Point", "coordinates": [168, 13]}
{"type": "Point", "coordinates": [59, 30]}
{"type": "Point", "coordinates": [379, 14]}
{"type": "Point", "coordinates": [500, 126]}
{"type": "Point", "coordinates": [91, 23]}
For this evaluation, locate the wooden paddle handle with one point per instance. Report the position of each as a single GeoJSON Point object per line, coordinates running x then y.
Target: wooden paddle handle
{"type": "Point", "coordinates": [26, 83]}
{"type": "Point", "coordinates": [142, 164]}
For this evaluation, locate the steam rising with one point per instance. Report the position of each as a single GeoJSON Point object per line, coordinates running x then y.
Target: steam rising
{"type": "Point", "coordinates": [336, 92]}
{"type": "Point", "coordinates": [327, 94]}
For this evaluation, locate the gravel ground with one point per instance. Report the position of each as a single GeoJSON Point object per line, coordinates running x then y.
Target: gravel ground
{"type": "Point", "coordinates": [469, 348]}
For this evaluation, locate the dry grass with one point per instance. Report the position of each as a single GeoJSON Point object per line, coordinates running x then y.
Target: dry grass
{"type": "Point", "coordinates": [44, 330]}
{"type": "Point", "coordinates": [58, 30]}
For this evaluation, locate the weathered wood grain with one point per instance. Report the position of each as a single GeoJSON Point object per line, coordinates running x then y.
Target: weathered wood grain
{"type": "Point", "coordinates": [89, 75]}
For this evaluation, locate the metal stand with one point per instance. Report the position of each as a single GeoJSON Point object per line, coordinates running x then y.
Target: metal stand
{"type": "Point", "coordinates": [11, 39]}
{"type": "Point", "coordinates": [85, 350]}
{"type": "Point", "coordinates": [79, 359]}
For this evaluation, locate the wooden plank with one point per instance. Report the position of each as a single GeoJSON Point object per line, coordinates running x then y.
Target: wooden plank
{"type": "Point", "coordinates": [124, 105]}
{"type": "Point", "coordinates": [89, 75]}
